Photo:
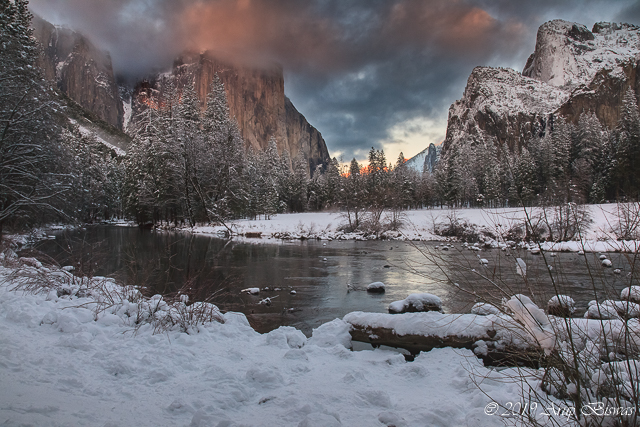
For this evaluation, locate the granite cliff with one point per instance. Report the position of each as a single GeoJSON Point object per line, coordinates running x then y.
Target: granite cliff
{"type": "Point", "coordinates": [80, 70]}
{"type": "Point", "coordinates": [572, 70]}
{"type": "Point", "coordinates": [256, 100]}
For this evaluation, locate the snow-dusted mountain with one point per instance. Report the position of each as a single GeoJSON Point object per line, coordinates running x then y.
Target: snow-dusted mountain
{"type": "Point", "coordinates": [424, 160]}
{"type": "Point", "coordinates": [572, 70]}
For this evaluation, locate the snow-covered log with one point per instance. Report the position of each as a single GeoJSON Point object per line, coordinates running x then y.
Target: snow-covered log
{"type": "Point", "coordinates": [498, 339]}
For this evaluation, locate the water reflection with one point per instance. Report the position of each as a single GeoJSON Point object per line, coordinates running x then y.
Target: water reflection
{"type": "Point", "coordinates": [320, 272]}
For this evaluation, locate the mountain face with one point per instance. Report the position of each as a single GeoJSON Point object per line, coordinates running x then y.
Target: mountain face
{"type": "Point", "coordinates": [572, 70]}
{"type": "Point", "coordinates": [255, 95]}
{"type": "Point", "coordinates": [80, 70]}
{"type": "Point", "coordinates": [256, 99]}
{"type": "Point", "coordinates": [425, 161]}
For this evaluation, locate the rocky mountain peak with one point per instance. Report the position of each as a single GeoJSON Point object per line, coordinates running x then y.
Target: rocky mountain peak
{"type": "Point", "coordinates": [572, 71]}
{"type": "Point", "coordinates": [568, 55]}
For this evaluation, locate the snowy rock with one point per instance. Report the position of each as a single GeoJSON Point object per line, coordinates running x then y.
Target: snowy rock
{"type": "Point", "coordinates": [561, 306]}
{"type": "Point", "coordinates": [484, 261]}
{"type": "Point", "coordinates": [535, 251]}
{"type": "Point", "coordinates": [631, 294]}
{"type": "Point", "coordinates": [416, 303]}
{"type": "Point", "coordinates": [251, 291]}
{"type": "Point", "coordinates": [484, 309]}
{"type": "Point", "coordinates": [603, 257]}
{"type": "Point", "coordinates": [607, 263]}
{"type": "Point", "coordinates": [376, 287]}
{"type": "Point", "coordinates": [286, 337]}
{"type": "Point", "coordinates": [612, 310]}
{"type": "Point", "coordinates": [31, 262]}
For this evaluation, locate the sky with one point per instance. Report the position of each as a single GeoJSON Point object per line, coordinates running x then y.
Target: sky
{"type": "Point", "coordinates": [365, 73]}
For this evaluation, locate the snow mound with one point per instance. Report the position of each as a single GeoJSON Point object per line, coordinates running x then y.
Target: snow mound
{"type": "Point", "coordinates": [484, 309]}
{"type": "Point", "coordinates": [334, 333]}
{"type": "Point", "coordinates": [561, 305]}
{"type": "Point", "coordinates": [376, 287]}
{"type": "Point", "coordinates": [534, 320]}
{"type": "Point", "coordinates": [631, 294]}
{"type": "Point", "coordinates": [416, 303]}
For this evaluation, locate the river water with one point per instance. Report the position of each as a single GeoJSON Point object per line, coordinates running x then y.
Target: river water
{"type": "Point", "coordinates": [328, 277]}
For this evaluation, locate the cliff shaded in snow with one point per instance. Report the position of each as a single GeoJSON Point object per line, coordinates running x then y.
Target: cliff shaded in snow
{"type": "Point", "coordinates": [572, 71]}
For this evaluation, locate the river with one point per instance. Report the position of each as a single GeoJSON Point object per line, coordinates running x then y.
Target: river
{"type": "Point", "coordinates": [328, 277]}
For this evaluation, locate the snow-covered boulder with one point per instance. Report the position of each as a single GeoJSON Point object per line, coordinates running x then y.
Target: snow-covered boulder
{"type": "Point", "coordinates": [561, 306]}
{"type": "Point", "coordinates": [631, 294]}
{"type": "Point", "coordinates": [484, 309]}
{"type": "Point", "coordinates": [416, 303]}
{"type": "Point", "coordinates": [610, 309]}
{"type": "Point", "coordinates": [376, 288]}
{"type": "Point", "coordinates": [521, 267]}
{"type": "Point", "coordinates": [534, 320]}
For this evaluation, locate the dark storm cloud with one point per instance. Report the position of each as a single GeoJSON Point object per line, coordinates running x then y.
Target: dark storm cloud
{"type": "Point", "coordinates": [354, 68]}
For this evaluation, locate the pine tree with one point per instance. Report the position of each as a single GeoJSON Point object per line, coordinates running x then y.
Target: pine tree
{"type": "Point", "coordinates": [32, 157]}
{"type": "Point", "coordinates": [627, 153]}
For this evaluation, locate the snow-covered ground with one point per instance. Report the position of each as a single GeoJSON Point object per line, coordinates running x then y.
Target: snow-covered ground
{"type": "Point", "coordinates": [420, 225]}
{"type": "Point", "coordinates": [61, 365]}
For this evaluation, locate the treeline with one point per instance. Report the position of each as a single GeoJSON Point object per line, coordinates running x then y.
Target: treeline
{"type": "Point", "coordinates": [188, 166]}
{"type": "Point", "coordinates": [582, 163]}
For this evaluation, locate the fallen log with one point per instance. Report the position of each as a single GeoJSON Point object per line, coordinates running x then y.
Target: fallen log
{"type": "Point", "coordinates": [497, 340]}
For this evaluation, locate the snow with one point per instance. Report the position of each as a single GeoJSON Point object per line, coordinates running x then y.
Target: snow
{"type": "Point", "coordinates": [60, 366]}
{"type": "Point", "coordinates": [631, 294]}
{"type": "Point", "coordinates": [535, 321]}
{"type": "Point", "coordinates": [416, 302]}
{"type": "Point", "coordinates": [564, 61]}
{"type": "Point", "coordinates": [430, 323]}
{"type": "Point", "coordinates": [599, 237]}
{"type": "Point", "coordinates": [126, 105]}
{"type": "Point", "coordinates": [88, 132]}
{"type": "Point", "coordinates": [375, 287]}
{"type": "Point", "coordinates": [563, 301]}
{"type": "Point", "coordinates": [484, 309]}
{"type": "Point", "coordinates": [521, 267]}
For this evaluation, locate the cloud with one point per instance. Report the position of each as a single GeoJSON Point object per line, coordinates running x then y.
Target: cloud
{"type": "Point", "coordinates": [359, 70]}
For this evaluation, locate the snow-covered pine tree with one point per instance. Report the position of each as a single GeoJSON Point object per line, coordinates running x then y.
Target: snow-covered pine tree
{"type": "Point", "coordinates": [190, 142]}
{"type": "Point", "coordinates": [32, 158]}
{"type": "Point", "coordinates": [626, 176]}
{"type": "Point", "coordinates": [299, 183]}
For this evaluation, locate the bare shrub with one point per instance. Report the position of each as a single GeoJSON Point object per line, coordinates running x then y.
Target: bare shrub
{"type": "Point", "coordinates": [564, 222]}
{"type": "Point", "coordinates": [628, 221]}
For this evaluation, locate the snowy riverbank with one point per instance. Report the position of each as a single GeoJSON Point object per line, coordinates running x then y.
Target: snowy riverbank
{"type": "Point", "coordinates": [79, 351]}
{"type": "Point", "coordinates": [61, 365]}
{"type": "Point", "coordinates": [599, 234]}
